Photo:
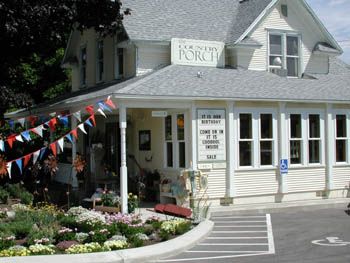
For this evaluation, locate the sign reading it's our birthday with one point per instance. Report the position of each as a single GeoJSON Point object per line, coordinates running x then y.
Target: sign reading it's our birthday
{"type": "Point", "coordinates": [197, 52]}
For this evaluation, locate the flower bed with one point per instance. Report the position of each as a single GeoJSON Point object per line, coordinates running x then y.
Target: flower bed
{"type": "Point", "coordinates": [45, 230]}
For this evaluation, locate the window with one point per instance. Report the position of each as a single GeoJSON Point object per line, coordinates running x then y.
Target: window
{"type": "Point", "coordinates": [284, 53]}
{"type": "Point", "coordinates": [314, 138]}
{"type": "Point", "coordinates": [119, 63]}
{"type": "Point", "coordinates": [83, 58]}
{"type": "Point", "coordinates": [295, 139]}
{"type": "Point", "coordinates": [99, 61]}
{"type": "Point", "coordinates": [340, 138]}
{"type": "Point", "coordinates": [256, 138]}
{"type": "Point", "coordinates": [175, 143]}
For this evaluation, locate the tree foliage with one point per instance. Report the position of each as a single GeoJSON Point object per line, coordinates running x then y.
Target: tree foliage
{"type": "Point", "coordinates": [33, 36]}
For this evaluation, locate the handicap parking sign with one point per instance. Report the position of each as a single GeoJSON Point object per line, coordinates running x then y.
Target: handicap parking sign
{"type": "Point", "coordinates": [284, 166]}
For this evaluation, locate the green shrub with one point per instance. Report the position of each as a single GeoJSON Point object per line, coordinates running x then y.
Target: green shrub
{"type": "Point", "coordinates": [20, 228]}
{"type": "Point", "coordinates": [45, 234]}
{"type": "Point", "coordinates": [164, 235]}
{"type": "Point", "coordinates": [113, 229]}
{"type": "Point", "coordinates": [6, 241]}
{"type": "Point", "coordinates": [4, 196]}
{"type": "Point", "coordinates": [183, 227]}
{"type": "Point", "coordinates": [135, 241]}
{"type": "Point", "coordinates": [129, 231]}
{"type": "Point", "coordinates": [14, 190]}
{"type": "Point", "coordinates": [26, 197]}
{"type": "Point", "coordinates": [68, 221]}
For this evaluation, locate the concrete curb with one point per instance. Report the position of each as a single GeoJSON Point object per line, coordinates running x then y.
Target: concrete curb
{"type": "Point", "coordinates": [142, 254]}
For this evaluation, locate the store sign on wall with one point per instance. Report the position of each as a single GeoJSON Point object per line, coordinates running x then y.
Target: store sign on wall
{"type": "Point", "coordinates": [197, 52]}
{"type": "Point", "coordinates": [211, 135]}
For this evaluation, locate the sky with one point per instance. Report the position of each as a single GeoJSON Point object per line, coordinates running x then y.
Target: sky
{"type": "Point", "coordinates": [335, 15]}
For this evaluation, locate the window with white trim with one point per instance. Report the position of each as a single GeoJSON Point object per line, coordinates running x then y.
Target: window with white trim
{"type": "Point", "coordinates": [314, 139]}
{"type": "Point", "coordinates": [341, 138]}
{"type": "Point", "coordinates": [83, 60]}
{"type": "Point", "coordinates": [99, 61]}
{"type": "Point", "coordinates": [284, 53]}
{"type": "Point", "coordinates": [257, 132]}
{"type": "Point", "coordinates": [118, 62]}
{"type": "Point", "coordinates": [175, 141]}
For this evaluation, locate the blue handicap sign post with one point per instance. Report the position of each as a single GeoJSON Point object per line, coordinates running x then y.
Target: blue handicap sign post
{"type": "Point", "coordinates": [284, 166]}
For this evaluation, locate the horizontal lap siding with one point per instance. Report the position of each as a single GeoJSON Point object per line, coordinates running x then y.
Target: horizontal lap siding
{"type": "Point", "coordinates": [248, 183]}
{"type": "Point", "coordinates": [303, 180]}
{"type": "Point", "coordinates": [216, 183]}
{"type": "Point", "coordinates": [341, 177]}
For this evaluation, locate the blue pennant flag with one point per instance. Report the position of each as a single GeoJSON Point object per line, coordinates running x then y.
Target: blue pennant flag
{"type": "Point", "coordinates": [103, 106]}
{"type": "Point", "coordinates": [26, 135]}
{"type": "Point", "coordinates": [42, 152]}
{"type": "Point", "coordinates": [64, 119]}
{"type": "Point", "coordinates": [19, 164]}
{"type": "Point", "coordinates": [12, 124]}
{"type": "Point", "coordinates": [69, 137]}
{"type": "Point", "coordinates": [88, 122]}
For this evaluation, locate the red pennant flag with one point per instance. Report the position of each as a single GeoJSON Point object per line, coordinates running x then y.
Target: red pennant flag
{"type": "Point", "coordinates": [11, 139]}
{"type": "Point", "coordinates": [92, 118]}
{"type": "Point", "coordinates": [32, 120]}
{"type": "Point", "coordinates": [75, 133]}
{"type": "Point", "coordinates": [26, 159]}
{"type": "Point", "coordinates": [90, 109]}
{"type": "Point", "coordinates": [110, 103]}
{"type": "Point", "coordinates": [52, 124]}
{"type": "Point", "coordinates": [53, 148]}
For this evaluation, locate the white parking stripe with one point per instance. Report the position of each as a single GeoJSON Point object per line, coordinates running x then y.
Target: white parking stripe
{"type": "Point", "coordinates": [239, 231]}
{"type": "Point", "coordinates": [234, 252]}
{"type": "Point", "coordinates": [233, 244]}
{"type": "Point", "coordinates": [237, 237]}
{"type": "Point", "coordinates": [262, 221]}
{"type": "Point", "coordinates": [239, 226]}
{"type": "Point", "coordinates": [238, 217]}
{"type": "Point", "coordinates": [270, 234]}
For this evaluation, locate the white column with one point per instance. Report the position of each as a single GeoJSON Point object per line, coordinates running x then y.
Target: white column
{"type": "Point", "coordinates": [230, 185]}
{"type": "Point", "coordinates": [282, 146]}
{"type": "Point", "coordinates": [329, 147]}
{"type": "Point", "coordinates": [194, 135]}
{"type": "Point", "coordinates": [74, 144]}
{"type": "Point", "coordinates": [123, 168]}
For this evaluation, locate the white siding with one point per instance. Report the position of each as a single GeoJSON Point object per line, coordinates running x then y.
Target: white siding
{"type": "Point", "coordinates": [317, 64]}
{"type": "Point", "coordinates": [216, 183]}
{"type": "Point", "coordinates": [304, 180]}
{"type": "Point", "coordinates": [298, 20]}
{"type": "Point", "coordinates": [152, 57]}
{"type": "Point", "coordinates": [341, 177]}
{"type": "Point", "coordinates": [257, 182]}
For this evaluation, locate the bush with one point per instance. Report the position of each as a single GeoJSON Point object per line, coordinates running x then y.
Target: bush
{"type": "Point", "coordinates": [135, 241]}
{"type": "Point", "coordinates": [15, 251]}
{"type": "Point", "coordinates": [20, 228]}
{"type": "Point", "coordinates": [39, 249]}
{"type": "Point", "coordinates": [26, 197]}
{"type": "Point", "coordinates": [115, 245]}
{"type": "Point", "coordinates": [6, 241]}
{"type": "Point", "coordinates": [14, 190]}
{"type": "Point", "coordinates": [4, 196]}
{"type": "Point", "coordinates": [44, 235]}
{"type": "Point", "coordinates": [85, 248]}
{"type": "Point", "coordinates": [68, 221]}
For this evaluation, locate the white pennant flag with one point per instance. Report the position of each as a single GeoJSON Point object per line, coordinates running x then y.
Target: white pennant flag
{"type": "Point", "coordinates": [22, 121]}
{"type": "Point", "coordinates": [9, 165]}
{"type": "Point", "coordinates": [77, 115]}
{"type": "Point", "coordinates": [102, 113]}
{"type": "Point", "coordinates": [2, 146]}
{"type": "Point", "coordinates": [81, 127]}
{"type": "Point", "coordinates": [52, 114]}
{"type": "Point", "coordinates": [39, 130]}
{"type": "Point", "coordinates": [36, 156]}
{"type": "Point", "coordinates": [19, 138]}
{"type": "Point", "coordinates": [60, 143]}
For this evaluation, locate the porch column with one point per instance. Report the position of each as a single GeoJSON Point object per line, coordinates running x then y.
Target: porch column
{"type": "Point", "coordinates": [230, 184]}
{"type": "Point", "coordinates": [329, 147]}
{"type": "Point", "coordinates": [74, 143]}
{"type": "Point", "coordinates": [123, 168]}
{"type": "Point", "coordinates": [194, 135]}
{"type": "Point", "coordinates": [282, 146]}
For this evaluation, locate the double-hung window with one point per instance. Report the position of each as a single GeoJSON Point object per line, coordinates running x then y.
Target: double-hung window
{"type": "Point", "coordinates": [341, 138]}
{"type": "Point", "coordinates": [175, 141]}
{"type": "Point", "coordinates": [118, 62]}
{"type": "Point", "coordinates": [99, 61]}
{"type": "Point", "coordinates": [245, 139]}
{"type": "Point", "coordinates": [83, 59]}
{"type": "Point", "coordinates": [284, 53]}
{"type": "Point", "coordinates": [314, 138]}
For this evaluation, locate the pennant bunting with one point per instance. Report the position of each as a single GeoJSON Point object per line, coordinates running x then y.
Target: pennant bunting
{"type": "Point", "coordinates": [38, 130]}
{"type": "Point", "coordinates": [69, 137]}
{"type": "Point", "coordinates": [26, 159]}
{"type": "Point", "coordinates": [82, 128]}
{"type": "Point", "coordinates": [75, 133]}
{"type": "Point", "coordinates": [77, 115]}
{"type": "Point", "coordinates": [110, 103]}
{"type": "Point", "coordinates": [35, 156]}
{"type": "Point", "coordinates": [53, 148]}
{"type": "Point", "coordinates": [12, 124]}
{"type": "Point", "coordinates": [104, 106]}
{"type": "Point", "coordinates": [52, 123]}
{"type": "Point", "coordinates": [42, 152]}
{"type": "Point", "coordinates": [26, 135]}
{"type": "Point", "coordinates": [60, 143]}
{"type": "Point", "coordinates": [2, 146]}
{"type": "Point", "coordinates": [64, 119]}
{"type": "Point", "coordinates": [92, 117]}
{"type": "Point", "coordinates": [90, 109]}
{"type": "Point", "coordinates": [22, 121]}
{"type": "Point", "coordinates": [19, 164]}
{"type": "Point", "coordinates": [9, 166]}
{"type": "Point", "coordinates": [102, 113]}
{"type": "Point", "coordinates": [10, 140]}
{"type": "Point", "coordinates": [19, 138]}
{"type": "Point", "coordinates": [88, 122]}
{"type": "Point", "coordinates": [32, 120]}
{"type": "Point", "coordinates": [52, 114]}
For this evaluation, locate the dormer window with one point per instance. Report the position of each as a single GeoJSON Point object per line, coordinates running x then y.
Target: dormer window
{"type": "Point", "coordinates": [284, 54]}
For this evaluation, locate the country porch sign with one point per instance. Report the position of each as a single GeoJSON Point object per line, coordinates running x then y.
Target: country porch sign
{"type": "Point", "coordinates": [211, 135]}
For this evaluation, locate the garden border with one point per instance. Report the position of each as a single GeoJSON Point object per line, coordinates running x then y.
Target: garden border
{"type": "Point", "coordinates": [141, 254]}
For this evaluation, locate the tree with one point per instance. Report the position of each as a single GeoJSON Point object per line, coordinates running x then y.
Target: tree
{"type": "Point", "coordinates": [33, 36]}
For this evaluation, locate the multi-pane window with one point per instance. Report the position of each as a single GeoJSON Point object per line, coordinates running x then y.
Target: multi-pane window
{"type": "Point", "coordinates": [175, 144]}
{"type": "Point", "coordinates": [266, 139]}
{"type": "Point", "coordinates": [99, 61]}
{"type": "Point", "coordinates": [83, 59]}
{"type": "Point", "coordinates": [119, 63]}
{"type": "Point", "coordinates": [340, 138]}
{"type": "Point", "coordinates": [295, 139]}
{"type": "Point", "coordinates": [245, 139]}
{"type": "Point", "coordinates": [314, 138]}
{"type": "Point", "coordinates": [284, 53]}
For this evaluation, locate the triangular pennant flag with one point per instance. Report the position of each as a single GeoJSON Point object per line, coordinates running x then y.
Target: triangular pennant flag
{"type": "Point", "coordinates": [10, 140]}
{"type": "Point", "coordinates": [35, 156]}
{"type": "Point", "coordinates": [53, 148]}
{"type": "Point", "coordinates": [12, 124]}
{"type": "Point", "coordinates": [32, 120]}
{"type": "Point", "coordinates": [77, 115]}
{"type": "Point", "coordinates": [9, 165]}
{"type": "Point", "coordinates": [75, 133]}
{"type": "Point", "coordinates": [2, 146]}
{"type": "Point", "coordinates": [52, 123]}
{"type": "Point", "coordinates": [92, 117]}
{"type": "Point", "coordinates": [52, 114]}
{"type": "Point", "coordinates": [69, 137]}
{"type": "Point", "coordinates": [88, 122]}
{"type": "Point", "coordinates": [22, 121]}
{"type": "Point", "coordinates": [64, 119]}
{"type": "Point", "coordinates": [26, 135]}
{"type": "Point", "coordinates": [26, 159]}
{"type": "Point", "coordinates": [42, 152]}
{"type": "Point", "coordinates": [19, 164]}
{"type": "Point", "coordinates": [110, 103]}
{"type": "Point", "coordinates": [104, 106]}
{"type": "Point", "coordinates": [38, 130]}
{"type": "Point", "coordinates": [102, 113]}
{"type": "Point", "coordinates": [90, 109]}
{"type": "Point", "coordinates": [82, 128]}
{"type": "Point", "coordinates": [60, 143]}
{"type": "Point", "coordinates": [19, 138]}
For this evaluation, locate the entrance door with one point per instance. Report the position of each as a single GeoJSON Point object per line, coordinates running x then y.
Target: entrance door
{"type": "Point", "coordinates": [113, 146]}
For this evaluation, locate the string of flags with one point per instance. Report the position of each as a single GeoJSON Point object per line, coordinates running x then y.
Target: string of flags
{"type": "Point", "coordinates": [58, 144]}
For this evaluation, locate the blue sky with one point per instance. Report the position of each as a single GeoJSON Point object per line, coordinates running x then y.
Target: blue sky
{"type": "Point", "coordinates": [335, 15]}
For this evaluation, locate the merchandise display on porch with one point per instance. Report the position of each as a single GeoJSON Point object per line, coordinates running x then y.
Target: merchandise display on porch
{"type": "Point", "coordinates": [23, 161]}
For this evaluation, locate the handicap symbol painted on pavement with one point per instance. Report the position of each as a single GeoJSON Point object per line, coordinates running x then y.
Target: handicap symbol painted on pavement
{"type": "Point", "coordinates": [331, 242]}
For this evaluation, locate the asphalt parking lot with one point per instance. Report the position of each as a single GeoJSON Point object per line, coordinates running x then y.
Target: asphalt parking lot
{"type": "Point", "coordinates": [295, 235]}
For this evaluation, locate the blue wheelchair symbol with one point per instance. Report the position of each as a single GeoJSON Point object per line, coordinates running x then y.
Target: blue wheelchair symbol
{"type": "Point", "coordinates": [284, 166]}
